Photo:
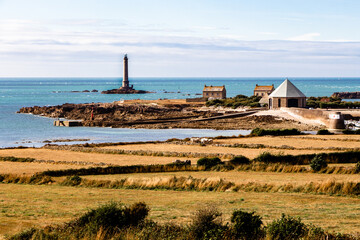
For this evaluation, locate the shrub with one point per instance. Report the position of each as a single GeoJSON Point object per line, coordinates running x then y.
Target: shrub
{"type": "Point", "coordinates": [247, 225]}
{"type": "Point", "coordinates": [72, 181]}
{"type": "Point", "coordinates": [274, 132]}
{"type": "Point", "coordinates": [324, 132]}
{"type": "Point", "coordinates": [357, 167]}
{"type": "Point", "coordinates": [315, 233]}
{"type": "Point", "coordinates": [286, 227]}
{"type": "Point", "coordinates": [110, 217]}
{"type": "Point", "coordinates": [24, 235]}
{"type": "Point", "coordinates": [240, 159]}
{"type": "Point", "coordinates": [209, 162]}
{"type": "Point", "coordinates": [207, 224]}
{"type": "Point", "coordinates": [235, 102]}
{"type": "Point", "coordinates": [318, 163]}
{"type": "Point", "coordinates": [349, 131]}
{"type": "Point", "coordinates": [265, 157]}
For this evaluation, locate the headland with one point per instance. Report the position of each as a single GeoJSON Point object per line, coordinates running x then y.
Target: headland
{"type": "Point", "coordinates": [176, 113]}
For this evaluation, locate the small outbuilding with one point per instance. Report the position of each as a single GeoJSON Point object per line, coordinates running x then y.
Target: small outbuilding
{"type": "Point", "coordinates": [287, 95]}
{"type": "Point", "coordinates": [214, 92]}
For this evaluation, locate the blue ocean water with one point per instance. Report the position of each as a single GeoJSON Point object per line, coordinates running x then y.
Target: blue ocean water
{"type": "Point", "coordinates": [29, 130]}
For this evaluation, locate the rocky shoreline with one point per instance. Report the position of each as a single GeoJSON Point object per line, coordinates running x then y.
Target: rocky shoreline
{"type": "Point", "coordinates": [154, 116]}
{"type": "Point", "coordinates": [346, 95]}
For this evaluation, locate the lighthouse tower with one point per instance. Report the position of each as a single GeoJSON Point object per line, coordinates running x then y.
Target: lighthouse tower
{"type": "Point", "coordinates": [125, 82]}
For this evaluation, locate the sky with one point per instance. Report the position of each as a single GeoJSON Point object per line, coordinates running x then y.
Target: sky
{"type": "Point", "coordinates": [173, 38]}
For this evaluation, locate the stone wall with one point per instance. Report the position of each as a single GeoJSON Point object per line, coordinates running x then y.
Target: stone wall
{"type": "Point", "coordinates": [202, 100]}
{"type": "Point", "coordinates": [311, 114]}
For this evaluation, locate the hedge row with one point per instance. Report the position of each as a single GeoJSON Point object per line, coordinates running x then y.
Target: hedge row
{"type": "Point", "coordinates": [303, 159]}
{"type": "Point", "coordinates": [121, 170]}
{"type": "Point", "coordinates": [274, 132]}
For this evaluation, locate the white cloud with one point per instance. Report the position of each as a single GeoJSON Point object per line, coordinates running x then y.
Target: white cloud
{"type": "Point", "coordinates": [305, 37]}
{"type": "Point", "coordinates": [158, 51]}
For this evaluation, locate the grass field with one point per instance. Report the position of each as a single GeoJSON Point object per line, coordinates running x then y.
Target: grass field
{"type": "Point", "coordinates": [310, 141]}
{"type": "Point", "coordinates": [70, 156]}
{"type": "Point", "coordinates": [24, 168]}
{"type": "Point", "coordinates": [23, 206]}
{"type": "Point", "coordinates": [248, 152]}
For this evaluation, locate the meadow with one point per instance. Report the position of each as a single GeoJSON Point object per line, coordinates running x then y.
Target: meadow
{"type": "Point", "coordinates": [328, 198]}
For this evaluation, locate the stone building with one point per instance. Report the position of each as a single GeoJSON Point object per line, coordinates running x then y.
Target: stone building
{"type": "Point", "coordinates": [214, 92]}
{"type": "Point", "coordinates": [263, 91]}
{"type": "Point", "coordinates": [287, 95]}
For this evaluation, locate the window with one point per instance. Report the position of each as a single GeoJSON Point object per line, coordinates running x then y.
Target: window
{"type": "Point", "coordinates": [279, 102]}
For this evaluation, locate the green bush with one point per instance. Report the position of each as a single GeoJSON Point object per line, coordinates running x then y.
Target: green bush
{"type": "Point", "coordinates": [318, 163]}
{"type": "Point", "coordinates": [315, 233]}
{"type": "Point", "coordinates": [286, 227]}
{"type": "Point", "coordinates": [324, 132]}
{"type": "Point", "coordinates": [110, 217]}
{"type": "Point", "coordinates": [24, 235]}
{"type": "Point", "coordinates": [318, 102]}
{"type": "Point", "coordinates": [235, 102]}
{"type": "Point", "coordinates": [240, 159]}
{"type": "Point", "coordinates": [357, 167]}
{"type": "Point", "coordinates": [266, 157]}
{"type": "Point", "coordinates": [209, 162]}
{"type": "Point", "coordinates": [207, 224]}
{"type": "Point", "coordinates": [246, 225]}
{"type": "Point", "coordinates": [274, 132]}
{"type": "Point", "coordinates": [349, 131]}
{"type": "Point", "coordinates": [72, 181]}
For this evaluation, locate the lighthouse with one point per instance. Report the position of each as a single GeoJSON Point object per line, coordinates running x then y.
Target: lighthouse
{"type": "Point", "coordinates": [125, 82]}
{"type": "Point", "coordinates": [125, 88]}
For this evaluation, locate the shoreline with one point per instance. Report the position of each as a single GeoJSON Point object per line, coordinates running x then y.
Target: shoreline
{"type": "Point", "coordinates": [169, 114]}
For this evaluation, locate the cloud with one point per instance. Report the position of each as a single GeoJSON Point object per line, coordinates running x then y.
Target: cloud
{"type": "Point", "coordinates": [159, 48]}
{"type": "Point", "coordinates": [305, 37]}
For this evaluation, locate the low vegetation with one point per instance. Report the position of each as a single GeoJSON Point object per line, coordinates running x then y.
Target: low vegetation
{"type": "Point", "coordinates": [208, 163]}
{"type": "Point", "coordinates": [116, 221]}
{"type": "Point", "coordinates": [324, 132]}
{"type": "Point", "coordinates": [318, 163]}
{"type": "Point", "coordinates": [274, 132]}
{"type": "Point", "coordinates": [353, 132]}
{"type": "Point", "coordinates": [235, 102]}
{"type": "Point", "coordinates": [335, 157]}
{"type": "Point", "coordinates": [330, 102]}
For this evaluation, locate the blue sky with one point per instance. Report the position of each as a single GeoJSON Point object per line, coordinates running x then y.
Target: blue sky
{"type": "Point", "coordinates": [168, 38]}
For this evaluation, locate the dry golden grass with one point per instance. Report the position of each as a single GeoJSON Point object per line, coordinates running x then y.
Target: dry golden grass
{"type": "Point", "coordinates": [23, 206]}
{"type": "Point", "coordinates": [248, 152]}
{"type": "Point", "coordinates": [342, 137]}
{"type": "Point", "coordinates": [239, 177]}
{"type": "Point", "coordinates": [61, 155]}
{"type": "Point", "coordinates": [26, 168]}
{"type": "Point", "coordinates": [297, 142]}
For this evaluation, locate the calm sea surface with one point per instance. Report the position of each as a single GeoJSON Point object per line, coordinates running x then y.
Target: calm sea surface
{"type": "Point", "coordinates": [29, 130]}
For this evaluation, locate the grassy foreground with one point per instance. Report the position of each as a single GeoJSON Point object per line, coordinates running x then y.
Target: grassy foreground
{"type": "Point", "coordinates": [23, 206]}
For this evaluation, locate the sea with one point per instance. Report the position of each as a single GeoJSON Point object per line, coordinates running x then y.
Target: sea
{"type": "Point", "coordinates": [31, 131]}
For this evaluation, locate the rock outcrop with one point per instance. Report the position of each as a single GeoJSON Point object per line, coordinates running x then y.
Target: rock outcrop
{"type": "Point", "coordinates": [346, 95]}
{"type": "Point", "coordinates": [124, 91]}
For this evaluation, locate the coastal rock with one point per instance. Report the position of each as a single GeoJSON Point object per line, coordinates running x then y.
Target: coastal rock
{"type": "Point", "coordinates": [346, 95]}
{"type": "Point", "coordinates": [124, 91]}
